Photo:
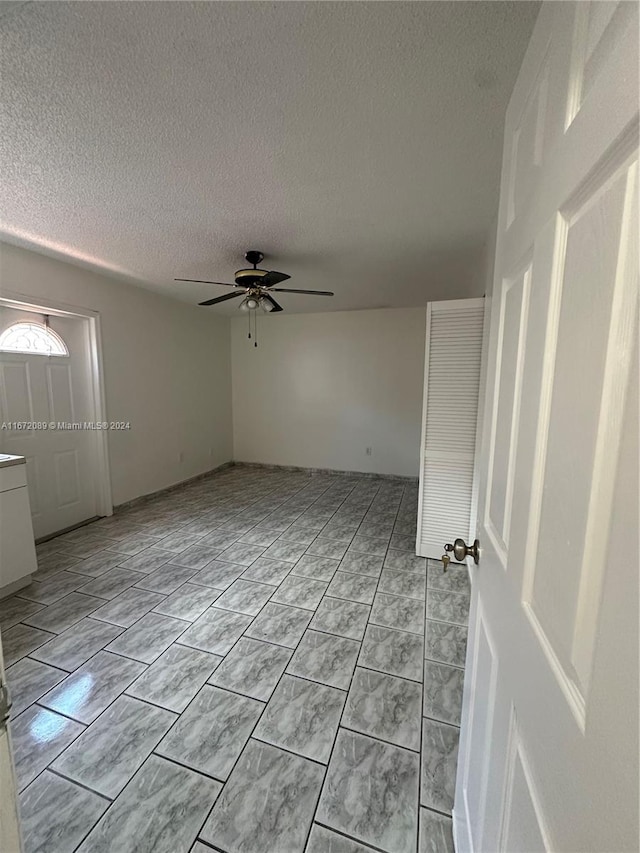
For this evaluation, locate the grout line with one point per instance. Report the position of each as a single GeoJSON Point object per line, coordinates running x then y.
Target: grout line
{"type": "Point", "coordinates": [80, 785]}
{"type": "Point", "coordinates": [350, 837]}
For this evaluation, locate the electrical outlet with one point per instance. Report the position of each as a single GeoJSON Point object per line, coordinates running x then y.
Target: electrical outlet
{"type": "Point", "coordinates": [369, 451]}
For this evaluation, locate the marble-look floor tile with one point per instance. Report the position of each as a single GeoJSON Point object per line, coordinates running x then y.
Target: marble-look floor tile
{"type": "Point", "coordinates": [406, 526]}
{"type": "Point", "coordinates": [196, 557]}
{"type": "Point", "coordinates": [148, 560]}
{"type": "Point", "coordinates": [402, 542]}
{"type": "Point", "coordinates": [64, 613]}
{"type": "Point", "coordinates": [304, 526]}
{"type": "Point", "coordinates": [267, 804]}
{"type": "Point", "coordinates": [215, 631]}
{"type": "Point", "coordinates": [267, 571]}
{"type": "Point", "coordinates": [327, 548]}
{"type": "Point", "coordinates": [446, 643]}
{"type": "Point", "coordinates": [28, 680]}
{"type": "Point", "coordinates": [394, 652]}
{"type": "Point", "coordinates": [148, 638]}
{"type": "Point", "coordinates": [179, 541]}
{"type": "Point", "coordinates": [436, 833]}
{"type": "Point", "coordinates": [290, 552]}
{"type": "Point", "coordinates": [455, 579]}
{"type": "Point", "coordinates": [131, 545]}
{"type": "Point", "coordinates": [339, 532]}
{"type": "Point", "coordinates": [259, 537]}
{"type": "Point", "coordinates": [38, 737]}
{"type": "Point", "coordinates": [439, 760]}
{"type": "Point", "coordinates": [362, 564]}
{"type": "Point", "coordinates": [85, 545]}
{"type": "Point", "coordinates": [375, 530]}
{"type": "Point", "coordinates": [301, 535]}
{"type": "Point", "coordinates": [52, 589]}
{"type": "Point", "coordinates": [323, 840]}
{"type": "Point", "coordinates": [371, 793]}
{"type": "Point", "coordinates": [299, 592]}
{"type": "Point", "coordinates": [245, 597]}
{"type": "Point", "coordinates": [128, 607]}
{"type": "Point", "coordinates": [443, 692]}
{"type": "Point", "coordinates": [56, 814]}
{"type": "Point", "coordinates": [448, 607]}
{"type": "Point", "coordinates": [369, 545]}
{"type": "Point", "coordinates": [20, 640]}
{"type": "Point", "coordinates": [108, 753]}
{"type": "Point", "coordinates": [14, 610]}
{"type": "Point", "coordinates": [239, 525]}
{"type": "Point", "coordinates": [85, 693]}
{"type": "Point", "coordinates": [160, 811]}
{"type": "Point", "coordinates": [242, 554]}
{"type": "Point", "coordinates": [210, 735]}
{"type": "Point", "coordinates": [218, 575]}
{"type": "Point", "coordinates": [396, 611]}
{"type": "Point", "coordinates": [385, 707]}
{"type": "Point", "coordinates": [52, 563]}
{"type": "Point", "coordinates": [409, 584]}
{"type": "Point", "coordinates": [175, 677]}
{"type": "Point", "coordinates": [111, 583]}
{"type": "Point", "coordinates": [166, 579]}
{"type": "Point", "coordinates": [279, 624]}
{"type": "Point", "coordinates": [302, 717]}
{"type": "Point", "coordinates": [341, 617]}
{"type": "Point", "coordinates": [326, 659]}
{"type": "Point", "coordinates": [188, 602]}
{"type": "Point", "coordinates": [318, 568]}
{"type": "Point", "coordinates": [220, 539]}
{"type": "Point", "coordinates": [406, 561]}
{"type": "Point", "coordinates": [97, 565]}
{"type": "Point", "coordinates": [252, 668]}
{"type": "Point", "coordinates": [353, 587]}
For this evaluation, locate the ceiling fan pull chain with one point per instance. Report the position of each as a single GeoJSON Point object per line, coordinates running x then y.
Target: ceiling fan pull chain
{"type": "Point", "coordinates": [255, 327]}
{"type": "Point", "coordinates": [249, 335]}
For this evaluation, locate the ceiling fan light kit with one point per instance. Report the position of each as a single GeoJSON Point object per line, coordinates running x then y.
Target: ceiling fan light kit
{"type": "Point", "coordinates": [255, 286]}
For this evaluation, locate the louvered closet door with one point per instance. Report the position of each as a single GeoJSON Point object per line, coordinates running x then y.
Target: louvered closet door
{"type": "Point", "coordinates": [449, 422]}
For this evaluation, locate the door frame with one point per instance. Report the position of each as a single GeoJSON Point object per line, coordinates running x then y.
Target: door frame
{"type": "Point", "coordinates": [100, 451]}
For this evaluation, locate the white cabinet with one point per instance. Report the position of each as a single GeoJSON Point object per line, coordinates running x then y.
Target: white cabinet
{"type": "Point", "coordinates": [453, 357]}
{"type": "Point", "coordinates": [17, 547]}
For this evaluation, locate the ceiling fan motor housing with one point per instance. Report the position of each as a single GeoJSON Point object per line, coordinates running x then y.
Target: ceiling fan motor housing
{"type": "Point", "coordinates": [250, 278]}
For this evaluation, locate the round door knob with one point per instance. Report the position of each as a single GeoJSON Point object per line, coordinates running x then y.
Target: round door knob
{"type": "Point", "coordinates": [461, 550]}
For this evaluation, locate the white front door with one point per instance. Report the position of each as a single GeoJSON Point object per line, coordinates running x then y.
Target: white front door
{"type": "Point", "coordinates": [548, 755]}
{"type": "Point", "coordinates": [41, 391]}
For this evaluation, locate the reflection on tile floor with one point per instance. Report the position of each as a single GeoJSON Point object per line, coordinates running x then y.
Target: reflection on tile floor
{"type": "Point", "coordinates": [254, 662]}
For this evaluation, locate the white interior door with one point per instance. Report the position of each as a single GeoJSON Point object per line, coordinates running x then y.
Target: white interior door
{"type": "Point", "coordinates": [46, 389]}
{"type": "Point", "coordinates": [548, 756]}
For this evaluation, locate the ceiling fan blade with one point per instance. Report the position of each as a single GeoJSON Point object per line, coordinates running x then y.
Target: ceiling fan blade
{"type": "Point", "coordinates": [270, 299]}
{"type": "Point", "coordinates": [221, 298]}
{"type": "Point", "coordinates": [315, 292]}
{"type": "Point", "coordinates": [199, 281]}
{"type": "Point", "coordinates": [272, 278]}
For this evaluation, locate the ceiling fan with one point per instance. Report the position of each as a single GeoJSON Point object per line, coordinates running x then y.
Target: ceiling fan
{"type": "Point", "coordinates": [256, 286]}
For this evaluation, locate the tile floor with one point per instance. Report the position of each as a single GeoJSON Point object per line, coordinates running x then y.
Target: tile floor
{"type": "Point", "coordinates": [255, 662]}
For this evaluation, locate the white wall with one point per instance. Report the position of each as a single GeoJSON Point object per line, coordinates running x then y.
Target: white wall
{"type": "Point", "coordinates": [320, 388]}
{"type": "Point", "coordinates": [166, 370]}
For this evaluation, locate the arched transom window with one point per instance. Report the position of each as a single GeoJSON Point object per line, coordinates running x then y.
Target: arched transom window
{"type": "Point", "coordinates": [32, 338]}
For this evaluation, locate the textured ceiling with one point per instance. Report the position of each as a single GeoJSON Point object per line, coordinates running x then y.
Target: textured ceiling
{"type": "Point", "coordinates": [356, 144]}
